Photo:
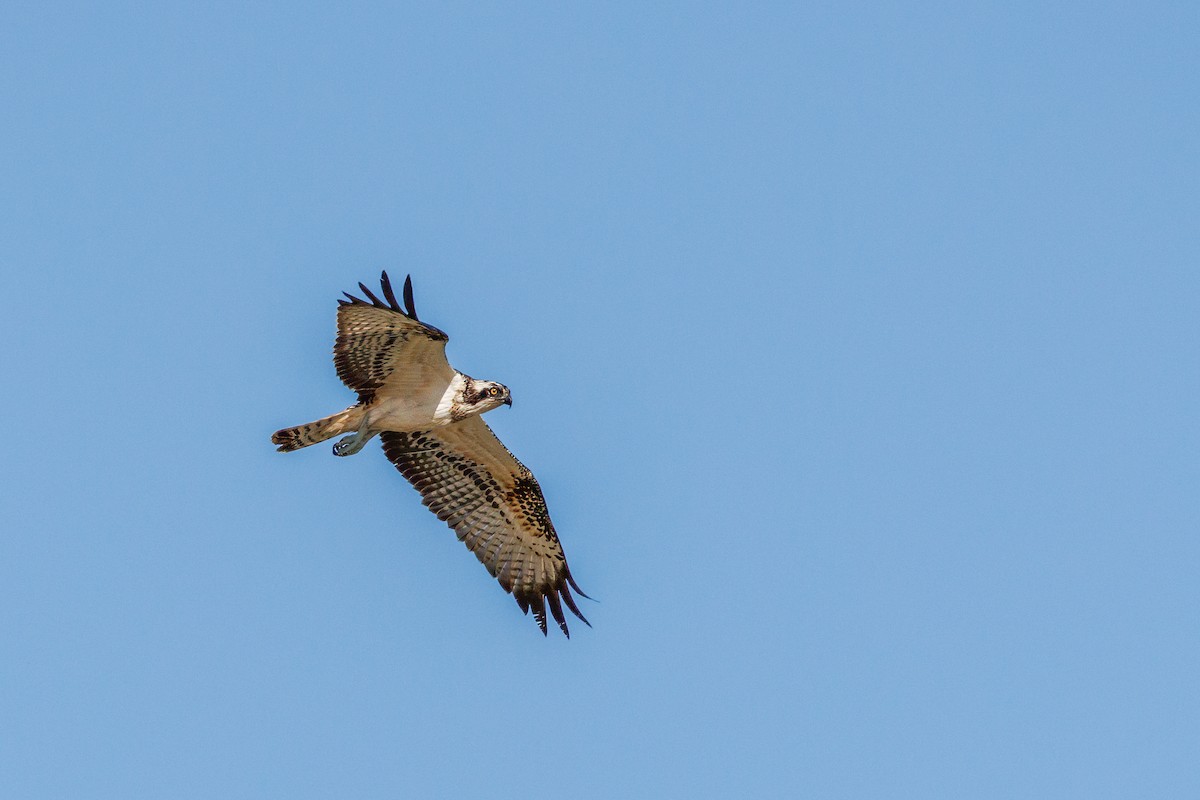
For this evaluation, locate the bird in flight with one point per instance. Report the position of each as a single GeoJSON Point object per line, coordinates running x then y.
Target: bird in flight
{"type": "Point", "coordinates": [428, 417]}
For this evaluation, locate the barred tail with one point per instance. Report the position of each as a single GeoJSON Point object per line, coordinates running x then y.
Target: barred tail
{"type": "Point", "coordinates": [290, 439]}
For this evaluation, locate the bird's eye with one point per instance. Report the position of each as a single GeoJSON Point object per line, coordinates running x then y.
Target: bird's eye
{"type": "Point", "coordinates": [493, 391]}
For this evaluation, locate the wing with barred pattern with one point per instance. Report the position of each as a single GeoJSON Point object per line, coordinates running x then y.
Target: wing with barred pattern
{"type": "Point", "coordinates": [493, 503]}
{"type": "Point", "coordinates": [380, 343]}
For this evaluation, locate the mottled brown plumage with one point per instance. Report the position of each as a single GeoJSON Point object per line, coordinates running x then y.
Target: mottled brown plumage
{"type": "Point", "coordinates": [493, 503]}
{"type": "Point", "coordinates": [377, 338]}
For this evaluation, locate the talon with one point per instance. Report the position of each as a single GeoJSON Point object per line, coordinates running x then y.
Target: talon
{"type": "Point", "coordinates": [351, 444]}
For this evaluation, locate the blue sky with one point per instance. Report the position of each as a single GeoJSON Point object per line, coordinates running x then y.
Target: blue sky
{"type": "Point", "coordinates": [854, 347]}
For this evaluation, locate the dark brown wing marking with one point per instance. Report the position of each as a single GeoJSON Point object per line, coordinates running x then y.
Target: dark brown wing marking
{"type": "Point", "coordinates": [495, 506]}
{"type": "Point", "coordinates": [377, 336]}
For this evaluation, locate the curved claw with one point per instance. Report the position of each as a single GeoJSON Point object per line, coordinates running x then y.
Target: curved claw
{"type": "Point", "coordinates": [349, 445]}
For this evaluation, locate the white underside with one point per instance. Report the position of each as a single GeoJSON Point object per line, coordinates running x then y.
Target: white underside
{"type": "Point", "coordinates": [420, 408]}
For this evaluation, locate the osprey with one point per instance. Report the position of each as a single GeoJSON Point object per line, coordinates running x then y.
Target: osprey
{"type": "Point", "coordinates": [428, 417]}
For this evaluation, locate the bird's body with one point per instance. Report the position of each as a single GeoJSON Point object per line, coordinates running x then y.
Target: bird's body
{"type": "Point", "coordinates": [428, 416]}
{"type": "Point", "coordinates": [429, 402]}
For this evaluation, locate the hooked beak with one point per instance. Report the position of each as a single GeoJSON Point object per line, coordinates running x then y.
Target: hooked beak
{"type": "Point", "coordinates": [508, 401]}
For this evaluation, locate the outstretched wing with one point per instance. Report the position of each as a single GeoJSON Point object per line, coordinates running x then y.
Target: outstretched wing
{"type": "Point", "coordinates": [380, 344]}
{"type": "Point", "coordinates": [494, 504]}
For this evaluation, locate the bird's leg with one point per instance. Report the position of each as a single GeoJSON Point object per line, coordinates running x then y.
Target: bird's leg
{"type": "Point", "coordinates": [351, 444]}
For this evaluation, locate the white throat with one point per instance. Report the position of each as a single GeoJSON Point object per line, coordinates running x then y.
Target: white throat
{"type": "Point", "coordinates": [451, 397]}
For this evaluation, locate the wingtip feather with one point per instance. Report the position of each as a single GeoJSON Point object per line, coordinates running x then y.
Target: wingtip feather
{"type": "Point", "coordinates": [408, 298]}
{"type": "Point", "coordinates": [557, 612]}
{"type": "Point", "coordinates": [570, 601]}
{"type": "Point", "coordinates": [370, 295]}
{"type": "Point", "coordinates": [579, 591]}
{"type": "Point", "coordinates": [388, 294]}
{"type": "Point", "coordinates": [539, 612]}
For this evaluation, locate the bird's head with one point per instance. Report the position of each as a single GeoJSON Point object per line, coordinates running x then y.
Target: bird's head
{"type": "Point", "coordinates": [486, 395]}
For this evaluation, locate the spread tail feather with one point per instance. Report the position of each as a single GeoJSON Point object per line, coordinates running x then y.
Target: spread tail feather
{"type": "Point", "coordinates": [290, 439]}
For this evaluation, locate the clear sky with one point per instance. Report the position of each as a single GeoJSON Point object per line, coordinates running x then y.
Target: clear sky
{"type": "Point", "coordinates": [855, 348]}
